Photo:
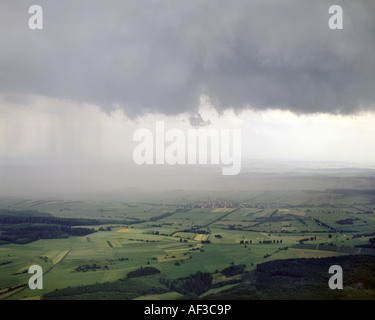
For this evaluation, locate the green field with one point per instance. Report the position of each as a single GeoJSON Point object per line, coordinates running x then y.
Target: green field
{"type": "Point", "coordinates": [181, 240]}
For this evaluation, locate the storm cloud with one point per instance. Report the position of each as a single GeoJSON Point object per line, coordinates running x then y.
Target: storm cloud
{"type": "Point", "coordinates": [161, 56]}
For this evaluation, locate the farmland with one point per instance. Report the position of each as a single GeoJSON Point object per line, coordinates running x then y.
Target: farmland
{"type": "Point", "coordinates": [182, 240]}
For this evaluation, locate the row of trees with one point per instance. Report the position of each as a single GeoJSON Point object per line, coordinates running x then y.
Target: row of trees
{"type": "Point", "coordinates": [261, 241]}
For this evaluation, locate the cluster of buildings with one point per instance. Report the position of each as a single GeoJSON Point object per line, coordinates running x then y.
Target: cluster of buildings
{"type": "Point", "coordinates": [215, 203]}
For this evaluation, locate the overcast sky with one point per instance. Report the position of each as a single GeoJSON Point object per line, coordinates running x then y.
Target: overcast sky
{"type": "Point", "coordinates": [75, 92]}
{"type": "Point", "coordinates": [161, 55]}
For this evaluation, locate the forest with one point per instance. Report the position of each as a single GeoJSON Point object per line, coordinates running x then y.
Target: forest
{"type": "Point", "coordinates": [22, 227]}
{"type": "Point", "coordinates": [305, 279]}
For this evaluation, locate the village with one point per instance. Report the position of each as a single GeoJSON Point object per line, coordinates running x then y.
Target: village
{"type": "Point", "coordinates": [216, 203]}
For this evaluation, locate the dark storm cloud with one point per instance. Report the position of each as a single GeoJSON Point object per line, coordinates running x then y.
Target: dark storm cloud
{"type": "Point", "coordinates": [196, 120]}
{"type": "Point", "coordinates": [159, 56]}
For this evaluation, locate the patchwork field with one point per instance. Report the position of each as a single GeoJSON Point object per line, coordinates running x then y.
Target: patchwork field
{"type": "Point", "coordinates": [181, 240]}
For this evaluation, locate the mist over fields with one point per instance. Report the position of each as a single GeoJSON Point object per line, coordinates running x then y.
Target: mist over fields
{"type": "Point", "coordinates": [127, 182]}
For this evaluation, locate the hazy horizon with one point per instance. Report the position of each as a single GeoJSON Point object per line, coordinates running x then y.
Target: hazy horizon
{"type": "Point", "coordinates": [81, 182]}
